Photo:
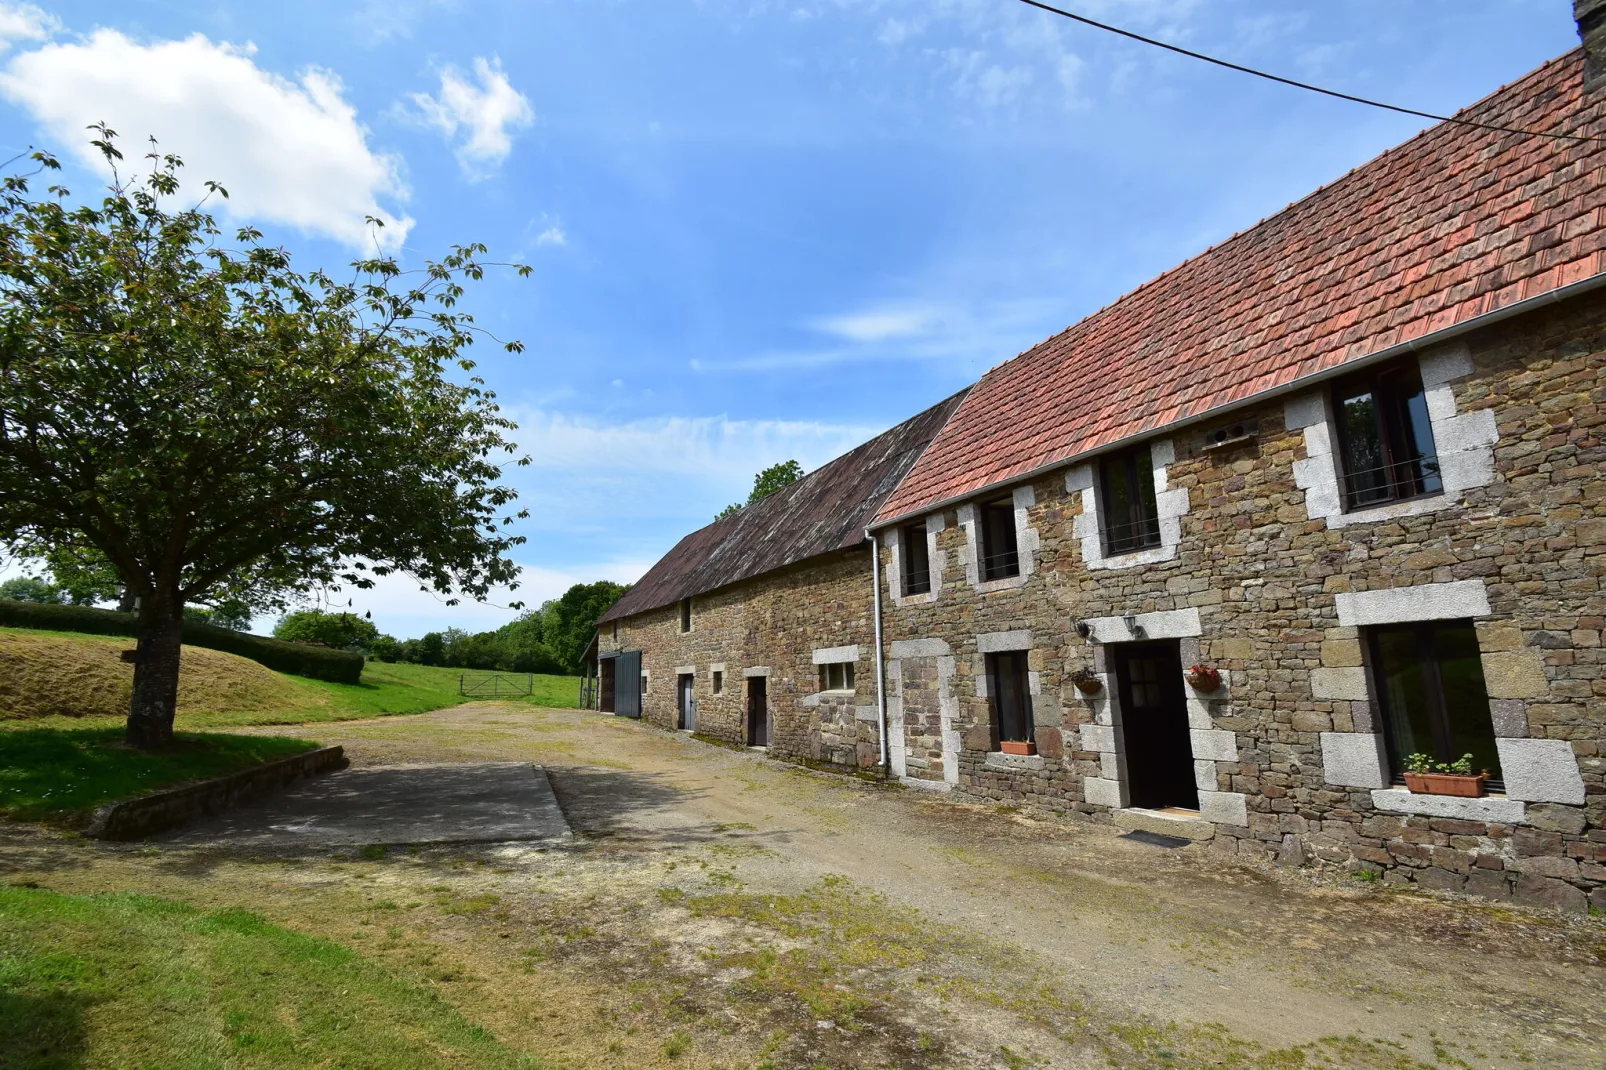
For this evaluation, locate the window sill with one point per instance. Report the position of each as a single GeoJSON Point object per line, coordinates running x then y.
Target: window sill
{"type": "Point", "coordinates": [1491, 809]}
{"type": "Point", "coordinates": [1015, 763]}
{"type": "Point", "coordinates": [1003, 583]}
{"type": "Point", "coordinates": [1371, 514]}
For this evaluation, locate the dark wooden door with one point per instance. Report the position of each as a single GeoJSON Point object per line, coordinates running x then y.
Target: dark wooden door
{"type": "Point", "coordinates": [1154, 723]}
{"type": "Point", "coordinates": [605, 674]}
{"type": "Point", "coordinates": [758, 712]}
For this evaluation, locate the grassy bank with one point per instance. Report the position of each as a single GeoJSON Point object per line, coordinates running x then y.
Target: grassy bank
{"type": "Point", "coordinates": [65, 679]}
{"type": "Point", "coordinates": [63, 774]}
{"type": "Point", "coordinates": [135, 981]}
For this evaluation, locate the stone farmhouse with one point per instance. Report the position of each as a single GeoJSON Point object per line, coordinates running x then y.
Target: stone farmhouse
{"type": "Point", "coordinates": [1218, 559]}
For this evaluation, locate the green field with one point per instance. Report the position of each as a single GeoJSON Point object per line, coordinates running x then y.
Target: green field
{"type": "Point", "coordinates": [59, 774]}
{"type": "Point", "coordinates": [135, 982]}
{"type": "Point", "coordinates": [386, 689]}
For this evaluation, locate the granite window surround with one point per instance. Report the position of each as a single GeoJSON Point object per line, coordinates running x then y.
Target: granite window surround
{"type": "Point", "coordinates": [936, 560]}
{"type": "Point", "coordinates": [1026, 543]}
{"type": "Point", "coordinates": [1464, 443]}
{"type": "Point", "coordinates": [1536, 770]}
{"type": "Point", "coordinates": [1171, 505]}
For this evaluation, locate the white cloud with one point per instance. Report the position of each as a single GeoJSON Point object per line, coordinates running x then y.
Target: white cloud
{"type": "Point", "coordinates": [479, 119]}
{"type": "Point", "coordinates": [24, 22]}
{"type": "Point", "coordinates": [877, 325]}
{"type": "Point", "coordinates": [552, 235]}
{"type": "Point", "coordinates": [287, 152]}
{"type": "Point", "coordinates": [710, 448]}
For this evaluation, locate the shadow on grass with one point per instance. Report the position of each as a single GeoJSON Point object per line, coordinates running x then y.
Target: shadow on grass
{"type": "Point", "coordinates": [42, 1032]}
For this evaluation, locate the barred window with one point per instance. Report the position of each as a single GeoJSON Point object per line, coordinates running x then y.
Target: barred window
{"type": "Point", "coordinates": [916, 560]}
{"type": "Point", "coordinates": [836, 676]}
{"type": "Point", "coordinates": [1131, 520]}
{"type": "Point", "coordinates": [1385, 441]}
{"type": "Point", "coordinates": [1000, 556]}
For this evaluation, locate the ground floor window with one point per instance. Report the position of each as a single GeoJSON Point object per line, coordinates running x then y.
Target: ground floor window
{"type": "Point", "coordinates": [1011, 697]}
{"type": "Point", "coordinates": [1430, 684]}
{"type": "Point", "coordinates": [836, 676]}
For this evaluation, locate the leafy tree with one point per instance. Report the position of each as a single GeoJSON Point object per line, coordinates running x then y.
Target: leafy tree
{"type": "Point", "coordinates": [384, 648]}
{"type": "Point", "coordinates": [570, 621]}
{"type": "Point", "coordinates": [338, 630]}
{"type": "Point", "coordinates": [774, 478]}
{"type": "Point", "coordinates": [216, 424]}
{"type": "Point", "coordinates": [767, 482]}
{"type": "Point", "coordinates": [31, 589]}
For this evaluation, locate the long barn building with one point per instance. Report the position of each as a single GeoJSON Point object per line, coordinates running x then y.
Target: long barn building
{"type": "Point", "coordinates": [1219, 559]}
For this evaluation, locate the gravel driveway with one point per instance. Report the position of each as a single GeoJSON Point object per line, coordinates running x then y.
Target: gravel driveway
{"type": "Point", "coordinates": [768, 915]}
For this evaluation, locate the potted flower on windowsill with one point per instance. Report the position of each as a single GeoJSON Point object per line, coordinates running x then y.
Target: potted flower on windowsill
{"type": "Point", "coordinates": [1018, 746]}
{"type": "Point", "coordinates": [1424, 776]}
{"type": "Point", "coordinates": [1204, 677]}
{"type": "Point", "coordinates": [1087, 681]}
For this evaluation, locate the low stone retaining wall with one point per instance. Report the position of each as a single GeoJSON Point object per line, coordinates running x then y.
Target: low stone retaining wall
{"type": "Point", "coordinates": [131, 819]}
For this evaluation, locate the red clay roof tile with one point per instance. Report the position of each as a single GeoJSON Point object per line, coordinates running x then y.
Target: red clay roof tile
{"type": "Point", "coordinates": [1452, 224]}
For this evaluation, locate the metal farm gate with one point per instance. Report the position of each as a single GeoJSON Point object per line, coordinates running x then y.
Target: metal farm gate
{"type": "Point", "coordinates": [496, 684]}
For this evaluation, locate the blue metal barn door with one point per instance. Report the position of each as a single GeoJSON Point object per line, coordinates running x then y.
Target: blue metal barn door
{"type": "Point", "coordinates": [627, 684]}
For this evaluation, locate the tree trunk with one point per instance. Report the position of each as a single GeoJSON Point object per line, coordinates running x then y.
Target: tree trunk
{"type": "Point", "coordinates": [156, 659]}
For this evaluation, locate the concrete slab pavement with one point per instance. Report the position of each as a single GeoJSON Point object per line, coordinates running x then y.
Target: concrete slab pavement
{"type": "Point", "coordinates": [489, 802]}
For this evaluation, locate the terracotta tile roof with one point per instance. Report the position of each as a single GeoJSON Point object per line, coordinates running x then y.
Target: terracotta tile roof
{"type": "Point", "coordinates": [826, 510]}
{"type": "Point", "coordinates": [1455, 223]}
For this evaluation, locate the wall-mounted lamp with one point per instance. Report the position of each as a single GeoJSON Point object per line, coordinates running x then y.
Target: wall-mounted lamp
{"type": "Point", "coordinates": [1084, 629]}
{"type": "Point", "coordinates": [1133, 627]}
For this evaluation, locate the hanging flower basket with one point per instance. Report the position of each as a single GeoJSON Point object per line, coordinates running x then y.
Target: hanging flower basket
{"type": "Point", "coordinates": [1086, 681]}
{"type": "Point", "coordinates": [1018, 746]}
{"type": "Point", "coordinates": [1204, 678]}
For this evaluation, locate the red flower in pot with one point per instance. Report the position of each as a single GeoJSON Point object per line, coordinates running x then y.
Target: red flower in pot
{"type": "Point", "coordinates": [1204, 678]}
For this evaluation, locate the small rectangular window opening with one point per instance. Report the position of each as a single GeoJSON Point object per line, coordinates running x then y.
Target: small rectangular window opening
{"type": "Point", "coordinates": [836, 676]}
{"type": "Point", "coordinates": [1000, 556]}
{"type": "Point", "coordinates": [1131, 520]}
{"type": "Point", "coordinates": [1429, 680]}
{"type": "Point", "coordinates": [916, 560]}
{"type": "Point", "coordinates": [685, 614]}
{"type": "Point", "coordinates": [1385, 441]}
{"type": "Point", "coordinates": [719, 681]}
{"type": "Point", "coordinates": [1009, 695]}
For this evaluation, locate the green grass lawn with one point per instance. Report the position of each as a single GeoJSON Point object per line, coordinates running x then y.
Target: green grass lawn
{"type": "Point", "coordinates": [137, 982]}
{"type": "Point", "coordinates": [56, 774]}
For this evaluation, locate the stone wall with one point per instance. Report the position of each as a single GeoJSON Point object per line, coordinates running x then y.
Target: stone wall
{"type": "Point", "coordinates": [775, 625]}
{"type": "Point", "coordinates": [1262, 575]}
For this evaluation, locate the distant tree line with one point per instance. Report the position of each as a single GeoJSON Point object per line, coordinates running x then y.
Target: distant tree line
{"type": "Point", "coordinates": [551, 639]}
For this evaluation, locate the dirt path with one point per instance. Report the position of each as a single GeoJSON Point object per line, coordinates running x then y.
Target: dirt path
{"type": "Point", "coordinates": [767, 915]}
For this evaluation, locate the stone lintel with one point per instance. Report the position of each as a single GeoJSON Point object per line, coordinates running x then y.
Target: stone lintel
{"type": "Point", "coordinates": [831, 655]}
{"type": "Point", "coordinates": [1403, 605]}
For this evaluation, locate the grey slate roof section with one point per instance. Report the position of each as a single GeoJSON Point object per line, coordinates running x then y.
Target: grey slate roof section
{"type": "Point", "coordinates": [825, 511]}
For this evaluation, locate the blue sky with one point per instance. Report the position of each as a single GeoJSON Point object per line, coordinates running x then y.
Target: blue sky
{"type": "Point", "coordinates": [759, 230]}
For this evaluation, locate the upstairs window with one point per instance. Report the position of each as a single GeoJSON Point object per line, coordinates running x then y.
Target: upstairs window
{"type": "Point", "coordinates": [1000, 556]}
{"type": "Point", "coordinates": [1010, 696]}
{"type": "Point", "coordinates": [685, 614]}
{"type": "Point", "coordinates": [1430, 682]}
{"type": "Point", "coordinates": [916, 561]}
{"type": "Point", "coordinates": [836, 676]}
{"type": "Point", "coordinates": [1131, 520]}
{"type": "Point", "coordinates": [1385, 443]}
{"type": "Point", "coordinates": [719, 681]}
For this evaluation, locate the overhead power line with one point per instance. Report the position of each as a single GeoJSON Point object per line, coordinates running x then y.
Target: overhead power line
{"type": "Point", "coordinates": [1301, 85]}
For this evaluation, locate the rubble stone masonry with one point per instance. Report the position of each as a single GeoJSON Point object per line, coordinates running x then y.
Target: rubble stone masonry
{"type": "Point", "coordinates": [772, 625]}
{"type": "Point", "coordinates": [1263, 575]}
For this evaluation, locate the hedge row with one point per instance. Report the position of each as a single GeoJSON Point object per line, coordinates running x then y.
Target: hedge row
{"type": "Point", "coordinates": [319, 663]}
